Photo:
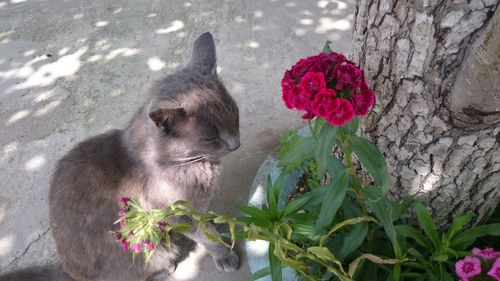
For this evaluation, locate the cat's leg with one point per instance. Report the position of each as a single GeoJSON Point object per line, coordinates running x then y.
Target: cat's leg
{"type": "Point", "coordinates": [225, 259]}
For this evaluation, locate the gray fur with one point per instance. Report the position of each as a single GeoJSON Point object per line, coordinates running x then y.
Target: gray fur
{"type": "Point", "coordinates": [170, 151]}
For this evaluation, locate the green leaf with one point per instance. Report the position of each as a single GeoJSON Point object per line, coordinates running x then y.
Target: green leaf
{"type": "Point", "coordinates": [313, 184]}
{"type": "Point", "coordinates": [272, 199]}
{"type": "Point", "coordinates": [353, 240]}
{"type": "Point", "coordinates": [274, 264]}
{"type": "Point", "coordinates": [372, 159]}
{"type": "Point", "coordinates": [378, 260]}
{"type": "Point", "coordinates": [332, 200]}
{"type": "Point", "coordinates": [253, 212]}
{"type": "Point", "coordinates": [410, 232]}
{"type": "Point", "coordinates": [351, 127]}
{"type": "Point", "coordinates": [294, 206]}
{"type": "Point", "coordinates": [469, 236]}
{"type": "Point", "coordinates": [399, 208]}
{"type": "Point", "coordinates": [427, 224]}
{"type": "Point", "coordinates": [457, 224]}
{"type": "Point", "coordinates": [382, 208]}
{"type": "Point", "coordinates": [334, 166]}
{"type": "Point", "coordinates": [296, 155]}
{"type": "Point", "coordinates": [260, 273]}
{"type": "Point", "coordinates": [326, 47]}
{"type": "Point", "coordinates": [439, 258]}
{"type": "Point", "coordinates": [338, 226]}
{"type": "Point", "coordinates": [323, 150]}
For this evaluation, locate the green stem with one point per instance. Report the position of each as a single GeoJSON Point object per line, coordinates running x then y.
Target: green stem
{"type": "Point", "coordinates": [313, 133]}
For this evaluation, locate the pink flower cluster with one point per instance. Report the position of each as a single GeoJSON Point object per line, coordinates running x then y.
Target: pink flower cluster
{"type": "Point", "coordinates": [136, 247]}
{"type": "Point", "coordinates": [327, 85]}
{"type": "Point", "coordinates": [471, 266]}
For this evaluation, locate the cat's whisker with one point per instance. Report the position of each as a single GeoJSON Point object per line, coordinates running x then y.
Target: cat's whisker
{"type": "Point", "coordinates": [192, 159]}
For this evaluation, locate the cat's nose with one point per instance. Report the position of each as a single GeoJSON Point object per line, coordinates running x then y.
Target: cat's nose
{"type": "Point", "coordinates": [233, 144]}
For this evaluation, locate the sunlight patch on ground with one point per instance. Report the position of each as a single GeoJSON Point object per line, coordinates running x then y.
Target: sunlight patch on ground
{"type": "Point", "coordinates": [117, 11]}
{"type": "Point", "coordinates": [124, 52]}
{"type": "Point", "coordinates": [6, 244]}
{"type": "Point", "coordinates": [94, 58]}
{"type": "Point", "coordinates": [155, 63]}
{"type": "Point", "coordinates": [78, 16]}
{"type": "Point", "coordinates": [17, 1]}
{"type": "Point", "coordinates": [35, 163]}
{"type": "Point", "coordinates": [306, 21]}
{"type": "Point", "coordinates": [8, 149]}
{"type": "Point", "coordinates": [63, 51]}
{"type": "Point", "coordinates": [18, 116]}
{"type": "Point", "coordinates": [327, 24]}
{"type": "Point", "coordinates": [101, 23]}
{"type": "Point", "coordinates": [47, 74]}
{"type": "Point", "coordinates": [176, 25]}
{"type": "Point", "coordinates": [44, 96]}
{"type": "Point", "coordinates": [253, 44]}
{"type": "Point", "coordinates": [47, 108]}
{"type": "Point", "coordinates": [151, 15]}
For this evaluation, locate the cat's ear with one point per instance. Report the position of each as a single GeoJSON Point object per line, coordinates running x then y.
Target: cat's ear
{"type": "Point", "coordinates": [204, 57]}
{"type": "Point", "coordinates": [166, 117]}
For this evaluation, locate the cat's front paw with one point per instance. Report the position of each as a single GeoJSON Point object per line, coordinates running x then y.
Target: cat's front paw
{"type": "Point", "coordinates": [228, 262]}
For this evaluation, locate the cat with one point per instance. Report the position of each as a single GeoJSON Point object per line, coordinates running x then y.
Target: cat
{"type": "Point", "coordinates": [170, 151]}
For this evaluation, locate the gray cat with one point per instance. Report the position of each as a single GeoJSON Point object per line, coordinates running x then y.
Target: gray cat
{"type": "Point", "coordinates": [170, 151]}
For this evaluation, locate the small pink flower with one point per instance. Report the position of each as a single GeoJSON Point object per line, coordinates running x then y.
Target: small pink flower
{"type": "Point", "coordinates": [313, 82]}
{"type": "Point", "coordinates": [125, 245]}
{"type": "Point", "coordinates": [117, 236]}
{"type": "Point", "coordinates": [299, 98]}
{"type": "Point", "coordinates": [487, 253]}
{"type": "Point", "coordinates": [149, 245]}
{"type": "Point", "coordinates": [495, 270]}
{"type": "Point", "coordinates": [308, 115]}
{"type": "Point", "coordinates": [137, 247]}
{"type": "Point", "coordinates": [341, 113]}
{"type": "Point", "coordinates": [468, 267]}
{"type": "Point", "coordinates": [125, 200]}
{"type": "Point", "coordinates": [162, 225]}
{"type": "Point", "coordinates": [324, 102]}
{"type": "Point", "coordinates": [121, 213]}
{"type": "Point", "coordinates": [122, 223]}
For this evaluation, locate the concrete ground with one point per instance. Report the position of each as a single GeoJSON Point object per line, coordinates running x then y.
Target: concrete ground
{"type": "Point", "coordinates": [73, 69]}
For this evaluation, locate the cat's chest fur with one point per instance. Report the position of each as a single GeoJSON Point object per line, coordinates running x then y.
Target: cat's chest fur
{"type": "Point", "coordinates": [195, 183]}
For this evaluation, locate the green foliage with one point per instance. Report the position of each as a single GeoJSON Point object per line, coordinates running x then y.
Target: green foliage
{"type": "Point", "coordinates": [341, 229]}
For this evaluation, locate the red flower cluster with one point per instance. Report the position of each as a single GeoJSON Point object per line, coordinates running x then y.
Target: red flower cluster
{"type": "Point", "coordinates": [327, 85]}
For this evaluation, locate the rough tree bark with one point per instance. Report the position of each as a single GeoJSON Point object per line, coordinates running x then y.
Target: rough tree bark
{"type": "Point", "coordinates": [435, 66]}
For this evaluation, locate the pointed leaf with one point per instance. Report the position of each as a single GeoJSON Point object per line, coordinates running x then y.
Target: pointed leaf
{"type": "Point", "coordinates": [294, 206]}
{"type": "Point", "coordinates": [353, 240]}
{"type": "Point", "coordinates": [323, 150]}
{"type": "Point", "coordinates": [298, 152]}
{"type": "Point", "coordinates": [332, 200]}
{"type": "Point", "coordinates": [457, 224]}
{"type": "Point", "coordinates": [469, 236]}
{"type": "Point", "coordinates": [382, 208]}
{"type": "Point", "coordinates": [354, 265]}
{"type": "Point", "coordinates": [427, 224]}
{"type": "Point", "coordinates": [253, 212]}
{"type": "Point", "coordinates": [372, 159]}
{"type": "Point", "coordinates": [410, 232]}
{"type": "Point", "coordinates": [274, 264]}
{"type": "Point", "coordinates": [326, 47]}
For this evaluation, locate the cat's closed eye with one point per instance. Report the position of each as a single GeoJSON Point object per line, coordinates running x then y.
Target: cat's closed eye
{"type": "Point", "coordinates": [211, 139]}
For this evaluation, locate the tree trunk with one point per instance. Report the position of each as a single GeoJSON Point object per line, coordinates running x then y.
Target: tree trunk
{"type": "Point", "coordinates": [435, 67]}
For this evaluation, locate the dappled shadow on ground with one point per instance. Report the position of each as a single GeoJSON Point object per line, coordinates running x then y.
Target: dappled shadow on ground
{"type": "Point", "coordinates": [70, 70]}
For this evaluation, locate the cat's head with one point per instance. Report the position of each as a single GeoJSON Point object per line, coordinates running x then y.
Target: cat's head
{"type": "Point", "coordinates": [191, 110]}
